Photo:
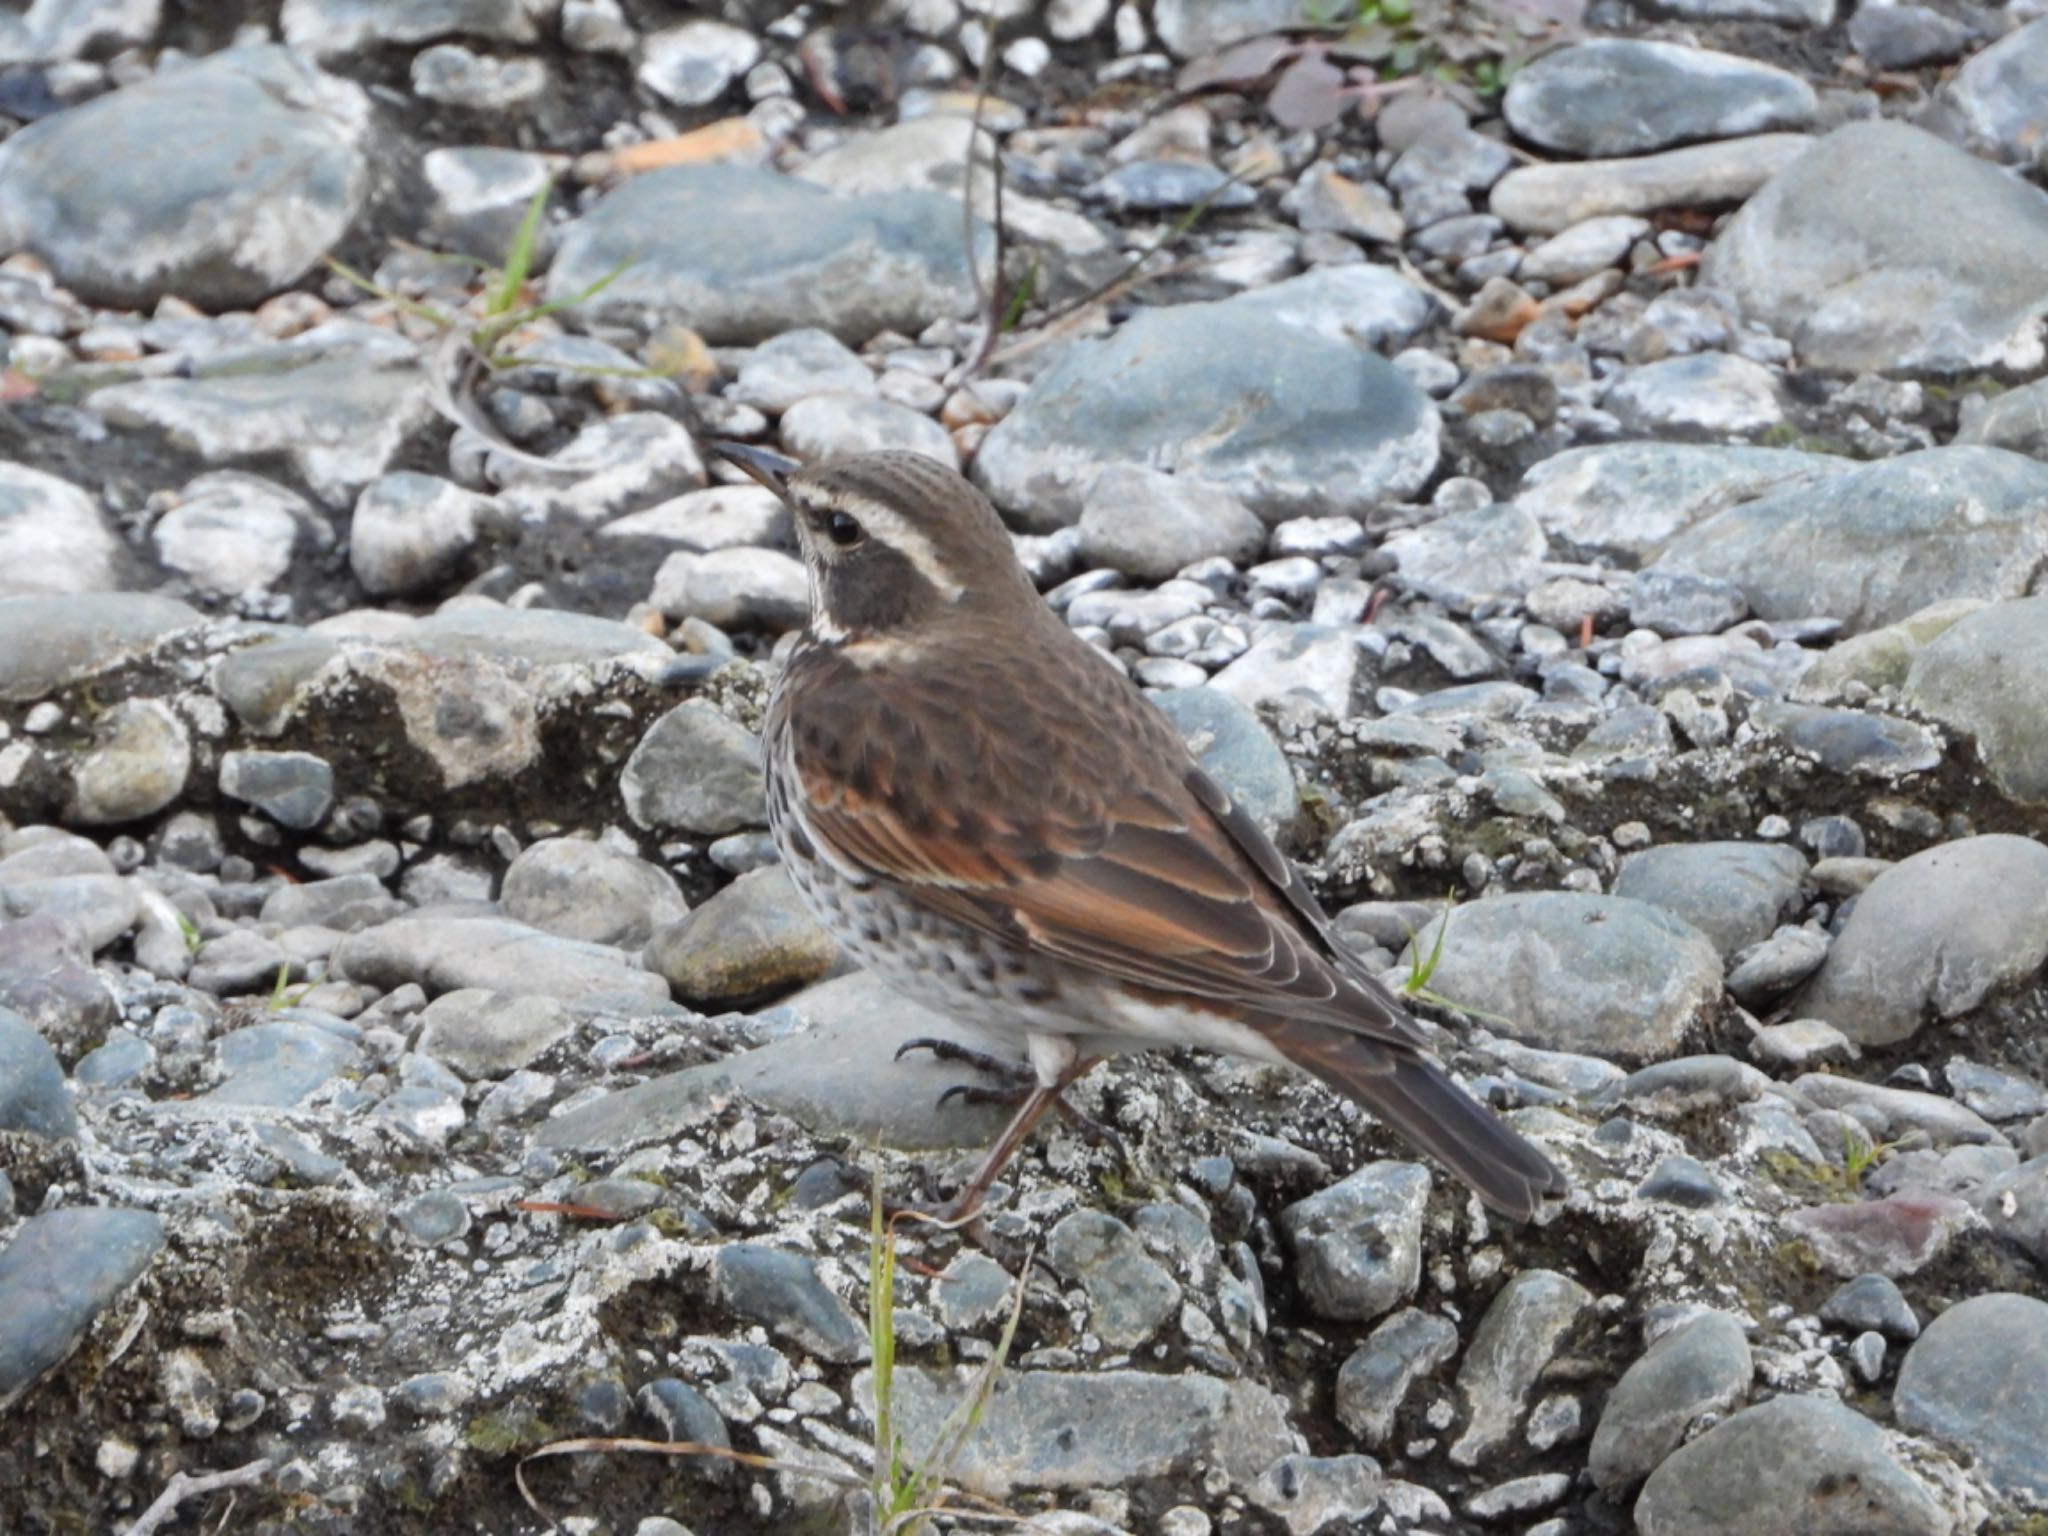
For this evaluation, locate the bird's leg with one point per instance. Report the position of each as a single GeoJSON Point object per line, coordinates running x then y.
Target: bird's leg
{"type": "Point", "coordinates": [1020, 1082]}
{"type": "Point", "coordinates": [965, 1205]}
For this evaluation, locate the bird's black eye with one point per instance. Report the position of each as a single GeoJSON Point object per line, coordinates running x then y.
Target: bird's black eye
{"type": "Point", "coordinates": [843, 530]}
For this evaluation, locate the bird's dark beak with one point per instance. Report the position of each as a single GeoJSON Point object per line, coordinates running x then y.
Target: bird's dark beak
{"type": "Point", "coordinates": [771, 469]}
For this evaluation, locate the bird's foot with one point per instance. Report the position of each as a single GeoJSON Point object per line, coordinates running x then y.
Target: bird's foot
{"type": "Point", "coordinates": [1018, 1084]}
{"type": "Point", "coordinates": [1007, 1068]}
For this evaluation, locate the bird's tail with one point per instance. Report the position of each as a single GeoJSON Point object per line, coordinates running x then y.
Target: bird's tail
{"type": "Point", "coordinates": [1412, 1094]}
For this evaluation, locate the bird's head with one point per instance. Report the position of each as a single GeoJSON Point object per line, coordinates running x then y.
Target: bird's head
{"type": "Point", "coordinates": [895, 542]}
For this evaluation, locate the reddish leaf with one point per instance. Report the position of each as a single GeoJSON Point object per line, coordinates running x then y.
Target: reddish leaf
{"type": "Point", "coordinates": [1239, 64]}
{"type": "Point", "coordinates": [1310, 93]}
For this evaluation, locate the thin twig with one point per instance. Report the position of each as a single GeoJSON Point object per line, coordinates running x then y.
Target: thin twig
{"type": "Point", "coordinates": [183, 1486]}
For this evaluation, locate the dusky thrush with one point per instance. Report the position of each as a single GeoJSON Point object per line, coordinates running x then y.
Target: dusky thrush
{"type": "Point", "coordinates": [988, 814]}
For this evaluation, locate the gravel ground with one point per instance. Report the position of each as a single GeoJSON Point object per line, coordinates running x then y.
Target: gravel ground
{"type": "Point", "coordinates": [1603, 519]}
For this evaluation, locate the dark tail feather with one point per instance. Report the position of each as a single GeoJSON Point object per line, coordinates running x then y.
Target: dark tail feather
{"type": "Point", "coordinates": [1411, 1093]}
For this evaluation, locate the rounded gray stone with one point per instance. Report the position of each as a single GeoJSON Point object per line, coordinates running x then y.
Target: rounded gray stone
{"type": "Point", "coordinates": [410, 532]}
{"type": "Point", "coordinates": [782, 1291]}
{"type": "Point", "coordinates": [741, 255]}
{"type": "Point", "coordinates": [294, 789]}
{"type": "Point", "coordinates": [1878, 542]}
{"type": "Point", "coordinates": [695, 771]}
{"type": "Point", "coordinates": [1978, 1378]}
{"type": "Point", "coordinates": [1794, 1466]}
{"type": "Point", "coordinates": [1294, 423]}
{"type": "Point", "coordinates": [1524, 1326]}
{"type": "Point", "coordinates": [233, 532]}
{"type": "Point", "coordinates": [2000, 96]}
{"type": "Point", "coordinates": [1149, 525]}
{"type": "Point", "coordinates": [1237, 751]}
{"type": "Point", "coordinates": [1734, 893]}
{"type": "Point", "coordinates": [1884, 248]}
{"type": "Point", "coordinates": [587, 890]}
{"type": "Point", "coordinates": [1129, 1294]}
{"type": "Point", "coordinates": [1375, 1379]}
{"type": "Point", "coordinates": [1933, 936]}
{"type": "Point", "coordinates": [226, 179]}
{"type": "Point", "coordinates": [839, 425]}
{"type": "Point", "coordinates": [752, 938]}
{"type": "Point", "coordinates": [1699, 1367]}
{"type": "Point", "coordinates": [1574, 971]}
{"type": "Point", "coordinates": [53, 538]}
{"type": "Point", "coordinates": [1627, 96]}
{"type": "Point", "coordinates": [485, 1034]}
{"type": "Point", "coordinates": [1987, 676]}
{"type": "Point", "coordinates": [63, 1269]}
{"type": "Point", "coordinates": [140, 758]}
{"type": "Point", "coordinates": [32, 1092]}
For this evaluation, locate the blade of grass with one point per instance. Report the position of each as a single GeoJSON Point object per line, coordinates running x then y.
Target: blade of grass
{"type": "Point", "coordinates": [519, 259]}
{"type": "Point", "coordinates": [369, 285]}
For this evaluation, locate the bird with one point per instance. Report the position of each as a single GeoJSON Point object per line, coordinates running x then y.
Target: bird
{"type": "Point", "coordinates": [987, 813]}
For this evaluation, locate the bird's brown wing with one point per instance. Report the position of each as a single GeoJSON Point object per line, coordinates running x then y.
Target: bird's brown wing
{"type": "Point", "coordinates": [1095, 839]}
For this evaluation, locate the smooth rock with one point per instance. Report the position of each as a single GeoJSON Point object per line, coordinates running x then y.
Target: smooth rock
{"type": "Point", "coordinates": [781, 1290]}
{"type": "Point", "coordinates": [1933, 936]}
{"type": "Point", "coordinates": [1331, 428]}
{"type": "Point", "coordinates": [1376, 1378]}
{"type": "Point", "coordinates": [1628, 500]}
{"type": "Point", "coordinates": [1470, 557]}
{"type": "Point", "coordinates": [279, 1063]}
{"type": "Point", "coordinates": [410, 532]}
{"type": "Point", "coordinates": [1897, 1236]}
{"type": "Point", "coordinates": [62, 1269]}
{"type": "Point", "coordinates": [1986, 676]}
{"type": "Point", "coordinates": [33, 1097]}
{"type": "Point", "coordinates": [1524, 1326]}
{"type": "Point", "coordinates": [838, 1078]}
{"type": "Point", "coordinates": [294, 789]}
{"type": "Point", "coordinates": [446, 954]}
{"type": "Point", "coordinates": [741, 255]}
{"type": "Point", "coordinates": [734, 588]}
{"type": "Point", "coordinates": [1978, 1378]}
{"type": "Point", "coordinates": [1626, 96]}
{"type": "Point", "coordinates": [1236, 751]}
{"type": "Point", "coordinates": [1734, 893]}
{"type": "Point", "coordinates": [1705, 395]}
{"type": "Point", "coordinates": [1149, 525]}
{"type": "Point", "coordinates": [1885, 249]}
{"type": "Point", "coordinates": [1878, 542]}
{"type": "Point", "coordinates": [750, 939]}
{"type": "Point", "coordinates": [1129, 1294]}
{"type": "Point", "coordinates": [1698, 1368]}
{"type": "Point", "coordinates": [231, 176]}
{"type": "Point", "coordinates": [138, 764]}
{"type": "Point", "coordinates": [1544, 199]}
{"type": "Point", "coordinates": [831, 426]}
{"type": "Point", "coordinates": [1598, 975]}
{"type": "Point", "coordinates": [695, 771]}
{"type": "Point", "coordinates": [1794, 1466]}
{"type": "Point", "coordinates": [53, 538]}
{"type": "Point", "coordinates": [483, 1034]}
{"type": "Point", "coordinates": [586, 890]}
{"type": "Point", "coordinates": [1998, 95]}
{"type": "Point", "coordinates": [338, 406]}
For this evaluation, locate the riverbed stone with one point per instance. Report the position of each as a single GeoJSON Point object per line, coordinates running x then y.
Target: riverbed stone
{"type": "Point", "coordinates": [174, 153]}
{"type": "Point", "coordinates": [1884, 248]}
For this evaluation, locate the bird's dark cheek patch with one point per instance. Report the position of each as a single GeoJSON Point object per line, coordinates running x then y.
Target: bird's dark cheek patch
{"type": "Point", "coordinates": [873, 589]}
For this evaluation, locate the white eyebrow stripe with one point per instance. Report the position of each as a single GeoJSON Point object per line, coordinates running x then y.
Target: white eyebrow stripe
{"type": "Point", "coordinates": [895, 530]}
